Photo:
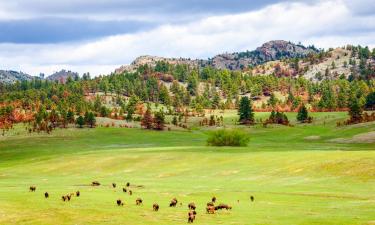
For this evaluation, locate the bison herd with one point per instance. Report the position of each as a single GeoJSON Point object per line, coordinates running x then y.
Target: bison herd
{"type": "Point", "coordinates": [211, 208]}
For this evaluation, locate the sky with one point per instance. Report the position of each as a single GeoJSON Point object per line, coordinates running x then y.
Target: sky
{"type": "Point", "coordinates": [98, 36]}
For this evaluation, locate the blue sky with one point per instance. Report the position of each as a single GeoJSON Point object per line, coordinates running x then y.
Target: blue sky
{"type": "Point", "coordinates": [100, 35]}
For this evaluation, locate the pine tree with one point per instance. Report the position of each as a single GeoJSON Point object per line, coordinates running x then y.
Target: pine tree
{"type": "Point", "coordinates": [302, 115]}
{"type": "Point", "coordinates": [91, 121]}
{"type": "Point", "coordinates": [159, 120]}
{"type": "Point", "coordinates": [245, 111]}
{"type": "Point", "coordinates": [355, 111]}
{"type": "Point", "coordinates": [80, 121]}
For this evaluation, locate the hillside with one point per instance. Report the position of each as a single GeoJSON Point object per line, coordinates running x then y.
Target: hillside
{"type": "Point", "coordinates": [62, 76]}
{"type": "Point", "coordinates": [270, 51]}
{"type": "Point", "coordinates": [10, 76]}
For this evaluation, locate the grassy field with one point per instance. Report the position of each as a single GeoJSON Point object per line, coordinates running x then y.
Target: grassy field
{"type": "Point", "coordinates": [306, 174]}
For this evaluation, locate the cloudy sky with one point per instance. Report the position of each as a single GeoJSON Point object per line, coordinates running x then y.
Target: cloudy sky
{"type": "Point", "coordinates": [98, 36]}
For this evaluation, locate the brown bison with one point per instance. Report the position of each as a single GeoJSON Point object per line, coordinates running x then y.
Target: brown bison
{"type": "Point", "coordinates": [130, 192]}
{"type": "Point", "coordinates": [63, 198]}
{"type": "Point", "coordinates": [119, 202]}
{"type": "Point", "coordinates": [138, 201]}
{"type": "Point", "coordinates": [46, 195]}
{"type": "Point", "coordinates": [114, 185]}
{"type": "Point", "coordinates": [191, 216]}
{"type": "Point", "coordinates": [213, 199]}
{"type": "Point", "coordinates": [223, 206]}
{"type": "Point", "coordinates": [32, 188]}
{"type": "Point", "coordinates": [78, 193]}
{"type": "Point", "coordinates": [155, 207]}
{"type": "Point", "coordinates": [210, 204]}
{"type": "Point", "coordinates": [127, 184]}
{"type": "Point", "coordinates": [95, 183]}
{"type": "Point", "coordinates": [124, 190]}
{"type": "Point", "coordinates": [192, 206]}
{"type": "Point", "coordinates": [252, 198]}
{"type": "Point", "coordinates": [173, 202]}
{"type": "Point", "coordinates": [210, 209]}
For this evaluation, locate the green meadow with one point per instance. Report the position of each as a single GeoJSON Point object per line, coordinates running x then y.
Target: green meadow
{"type": "Point", "coordinates": [305, 174]}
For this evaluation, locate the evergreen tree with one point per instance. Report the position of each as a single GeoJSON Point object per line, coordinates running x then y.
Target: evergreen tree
{"type": "Point", "coordinates": [80, 121]}
{"type": "Point", "coordinates": [370, 101]}
{"type": "Point", "coordinates": [70, 116]}
{"type": "Point", "coordinates": [91, 121]}
{"type": "Point", "coordinates": [159, 120]}
{"type": "Point", "coordinates": [245, 111]}
{"type": "Point", "coordinates": [355, 110]}
{"type": "Point", "coordinates": [302, 115]}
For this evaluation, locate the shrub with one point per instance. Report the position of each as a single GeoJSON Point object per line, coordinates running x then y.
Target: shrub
{"type": "Point", "coordinates": [225, 137]}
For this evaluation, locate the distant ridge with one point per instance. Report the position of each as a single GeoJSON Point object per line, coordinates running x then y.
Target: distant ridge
{"type": "Point", "coordinates": [269, 51]}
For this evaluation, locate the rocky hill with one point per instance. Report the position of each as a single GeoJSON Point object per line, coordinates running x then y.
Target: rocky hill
{"type": "Point", "coordinates": [62, 76]}
{"type": "Point", "coordinates": [270, 51]}
{"type": "Point", "coordinates": [152, 60]}
{"type": "Point", "coordinates": [273, 50]}
{"type": "Point", "coordinates": [10, 76]}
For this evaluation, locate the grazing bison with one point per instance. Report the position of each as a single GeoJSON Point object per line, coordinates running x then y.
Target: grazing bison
{"type": "Point", "coordinates": [191, 216]}
{"type": "Point", "coordinates": [114, 185]}
{"type": "Point", "coordinates": [119, 202]}
{"type": "Point", "coordinates": [138, 201]}
{"type": "Point", "coordinates": [210, 204]}
{"type": "Point", "coordinates": [214, 199]}
{"type": "Point", "coordinates": [127, 184]}
{"type": "Point", "coordinates": [78, 193]}
{"type": "Point", "coordinates": [155, 207]}
{"type": "Point", "coordinates": [252, 198]}
{"type": "Point", "coordinates": [46, 195]}
{"type": "Point", "coordinates": [32, 188]}
{"type": "Point", "coordinates": [210, 209]}
{"type": "Point", "coordinates": [223, 206]}
{"type": "Point", "coordinates": [192, 206]}
{"type": "Point", "coordinates": [124, 190]}
{"type": "Point", "coordinates": [95, 183]}
{"type": "Point", "coordinates": [68, 197]}
{"type": "Point", "coordinates": [173, 202]}
{"type": "Point", "coordinates": [63, 198]}
{"type": "Point", "coordinates": [130, 192]}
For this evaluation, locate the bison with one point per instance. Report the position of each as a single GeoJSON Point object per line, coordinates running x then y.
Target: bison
{"type": "Point", "coordinates": [114, 185]}
{"type": "Point", "coordinates": [78, 193]}
{"type": "Point", "coordinates": [223, 206]}
{"type": "Point", "coordinates": [95, 183]}
{"type": "Point", "coordinates": [138, 201]}
{"type": "Point", "coordinates": [214, 199]}
{"type": "Point", "coordinates": [46, 195]}
{"type": "Point", "coordinates": [32, 188]}
{"type": "Point", "coordinates": [124, 190]}
{"type": "Point", "coordinates": [119, 202]}
{"type": "Point", "coordinates": [155, 207]}
{"type": "Point", "coordinates": [130, 192]}
{"type": "Point", "coordinates": [127, 184]}
{"type": "Point", "coordinates": [192, 206]}
{"type": "Point", "coordinates": [173, 202]}
{"type": "Point", "coordinates": [252, 198]}
{"type": "Point", "coordinates": [191, 216]}
{"type": "Point", "coordinates": [210, 209]}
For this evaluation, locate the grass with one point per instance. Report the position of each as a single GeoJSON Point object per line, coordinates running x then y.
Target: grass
{"type": "Point", "coordinates": [295, 179]}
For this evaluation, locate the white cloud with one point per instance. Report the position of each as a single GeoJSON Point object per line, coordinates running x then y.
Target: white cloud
{"type": "Point", "coordinates": [325, 24]}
